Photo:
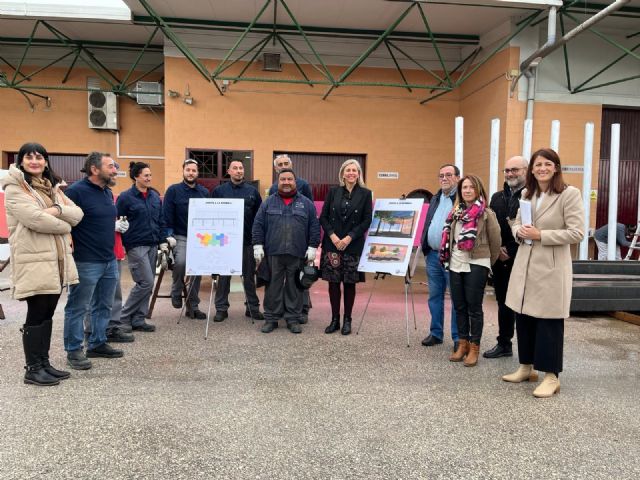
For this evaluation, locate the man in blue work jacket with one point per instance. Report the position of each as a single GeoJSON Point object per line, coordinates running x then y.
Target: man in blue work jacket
{"type": "Point", "coordinates": [238, 188]}
{"type": "Point", "coordinates": [286, 230]}
{"type": "Point", "coordinates": [175, 210]}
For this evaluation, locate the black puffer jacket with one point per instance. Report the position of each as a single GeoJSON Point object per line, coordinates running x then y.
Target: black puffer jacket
{"type": "Point", "coordinates": [505, 205]}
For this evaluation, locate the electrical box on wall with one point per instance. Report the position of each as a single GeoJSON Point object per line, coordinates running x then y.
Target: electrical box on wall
{"type": "Point", "coordinates": [103, 110]}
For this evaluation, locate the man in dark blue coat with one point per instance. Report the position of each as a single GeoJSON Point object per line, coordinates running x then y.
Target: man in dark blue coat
{"type": "Point", "coordinates": [93, 242]}
{"type": "Point", "coordinates": [280, 162]}
{"type": "Point", "coordinates": [286, 230]}
{"type": "Point", "coordinates": [175, 210]}
{"type": "Point", "coordinates": [505, 204]}
{"type": "Point", "coordinates": [238, 188]}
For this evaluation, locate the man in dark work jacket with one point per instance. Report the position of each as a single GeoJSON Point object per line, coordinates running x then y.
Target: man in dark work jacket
{"type": "Point", "coordinates": [505, 204]}
{"type": "Point", "coordinates": [238, 188]}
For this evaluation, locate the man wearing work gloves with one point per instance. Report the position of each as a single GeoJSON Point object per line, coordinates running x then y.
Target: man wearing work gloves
{"type": "Point", "coordinates": [287, 231]}
{"type": "Point", "coordinates": [175, 210]}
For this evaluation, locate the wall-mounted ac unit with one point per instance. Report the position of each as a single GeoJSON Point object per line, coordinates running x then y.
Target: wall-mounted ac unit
{"type": "Point", "coordinates": [103, 110]}
{"type": "Point", "coordinates": [151, 93]}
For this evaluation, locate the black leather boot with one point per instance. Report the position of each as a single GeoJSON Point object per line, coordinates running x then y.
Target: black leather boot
{"type": "Point", "coordinates": [35, 373]}
{"type": "Point", "coordinates": [47, 326]}
{"type": "Point", "coordinates": [346, 325]}
{"type": "Point", "coordinates": [334, 326]}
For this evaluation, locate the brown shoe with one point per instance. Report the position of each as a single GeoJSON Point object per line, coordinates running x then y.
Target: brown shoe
{"type": "Point", "coordinates": [459, 354]}
{"type": "Point", "coordinates": [472, 357]}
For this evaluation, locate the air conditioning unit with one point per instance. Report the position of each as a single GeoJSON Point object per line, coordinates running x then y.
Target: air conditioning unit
{"type": "Point", "coordinates": [151, 93]}
{"type": "Point", "coordinates": [103, 110]}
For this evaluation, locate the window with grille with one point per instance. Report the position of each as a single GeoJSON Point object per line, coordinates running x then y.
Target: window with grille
{"type": "Point", "coordinates": [214, 163]}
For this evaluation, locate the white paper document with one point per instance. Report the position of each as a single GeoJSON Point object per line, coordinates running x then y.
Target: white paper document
{"type": "Point", "coordinates": [525, 216]}
{"type": "Point", "coordinates": [214, 236]}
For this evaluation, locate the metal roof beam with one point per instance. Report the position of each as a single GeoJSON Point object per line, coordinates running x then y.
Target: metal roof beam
{"type": "Point", "coordinates": [187, 23]}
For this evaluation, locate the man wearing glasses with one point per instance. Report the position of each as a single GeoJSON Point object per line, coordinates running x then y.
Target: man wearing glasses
{"type": "Point", "coordinates": [437, 277]}
{"type": "Point", "coordinates": [505, 204]}
{"type": "Point", "coordinates": [283, 161]}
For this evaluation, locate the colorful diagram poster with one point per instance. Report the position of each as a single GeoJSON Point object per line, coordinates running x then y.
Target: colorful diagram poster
{"type": "Point", "coordinates": [214, 236]}
{"type": "Point", "coordinates": [391, 235]}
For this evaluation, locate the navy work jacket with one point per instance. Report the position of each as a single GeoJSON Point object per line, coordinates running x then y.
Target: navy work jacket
{"type": "Point", "coordinates": [144, 216]}
{"type": "Point", "coordinates": [286, 229]}
{"type": "Point", "coordinates": [175, 206]}
{"type": "Point", "coordinates": [252, 202]}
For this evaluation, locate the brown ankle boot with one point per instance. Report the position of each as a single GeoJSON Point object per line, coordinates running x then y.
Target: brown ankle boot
{"type": "Point", "coordinates": [472, 357]}
{"type": "Point", "coordinates": [463, 349]}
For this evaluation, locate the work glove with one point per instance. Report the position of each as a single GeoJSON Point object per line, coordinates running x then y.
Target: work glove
{"type": "Point", "coordinates": [258, 253]}
{"type": "Point", "coordinates": [164, 260]}
{"type": "Point", "coordinates": [311, 254]}
{"type": "Point", "coordinates": [122, 225]}
{"type": "Point", "coordinates": [171, 241]}
{"type": "Point", "coordinates": [164, 247]}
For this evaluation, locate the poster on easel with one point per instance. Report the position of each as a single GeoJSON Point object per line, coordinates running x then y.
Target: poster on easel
{"type": "Point", "coordinates": [391, 236]}
{"type": "Point", "coordinates": [215, 236]}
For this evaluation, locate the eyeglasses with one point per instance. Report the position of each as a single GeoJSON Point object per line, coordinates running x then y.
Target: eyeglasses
{"type": "Point", "coordinates": [446, 175]}
{"type": "Point", "coordinates": [507, 171]}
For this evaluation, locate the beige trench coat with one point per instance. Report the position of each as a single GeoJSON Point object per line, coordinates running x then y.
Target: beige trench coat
{"type": "Point", "coordinates": [32, 234]}
{"type": "Point", "coordinates": [542, 275]}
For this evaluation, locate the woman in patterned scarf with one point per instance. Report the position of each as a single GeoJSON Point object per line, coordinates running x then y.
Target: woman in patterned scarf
{"type": "Point", "coordinates": [470, 245]}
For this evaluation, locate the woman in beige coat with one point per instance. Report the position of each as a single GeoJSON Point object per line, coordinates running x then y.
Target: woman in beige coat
{"type": "Point", "coordinates": [39, 217]}
{"type": "Point", "coordinates": [470, 245]}
{"type": "Point", "coordinates": [541, 280]}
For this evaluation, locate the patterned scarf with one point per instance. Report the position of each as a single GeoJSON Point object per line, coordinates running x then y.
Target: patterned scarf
{"type": "Point", "coordinates": [468, 216]}
{"type": "Point", "coordinates": [44, 189]}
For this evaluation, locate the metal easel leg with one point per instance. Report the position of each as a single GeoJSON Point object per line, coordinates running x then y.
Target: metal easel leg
{"type": "Point", "coordinates": [246, 300]}
{"type": "Point", "coordinates": [406, 308]}
{"type": "Point", "coordinates": [206, 328]}
{"type": "Point", "coordinates": [184, 305]}
{"type": "Point", "coordinates": [375, 281]}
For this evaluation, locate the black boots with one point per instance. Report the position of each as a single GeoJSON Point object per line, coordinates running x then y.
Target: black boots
{"type": "Point", "coordinates": [334, 326]}
{"type": "Point", "coordinates": [346, 325]}
{"type": "Point", "coordinates": [44, 353]}
{"type": "Point", "coordinates": [32, 340]}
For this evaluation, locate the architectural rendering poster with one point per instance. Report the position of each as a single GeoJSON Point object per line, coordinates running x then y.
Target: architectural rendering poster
{"type": "Point", "coordinates": [391, 235]}
{"type": "Point", "coordinates": [214, 236]}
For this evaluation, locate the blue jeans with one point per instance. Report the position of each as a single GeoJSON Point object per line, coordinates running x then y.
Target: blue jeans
{"type": "Point", "coordinates": [438, 280]}
{"type": "Point", "coordinates": [95, 292]}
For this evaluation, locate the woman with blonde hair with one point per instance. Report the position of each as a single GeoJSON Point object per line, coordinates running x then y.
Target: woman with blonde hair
{"type": "Point", "coordinates": [470, 245]}
{"type": "Point", "coordinates": [345, 218]}
{"type": "Point", "coordinates": [39, 217]}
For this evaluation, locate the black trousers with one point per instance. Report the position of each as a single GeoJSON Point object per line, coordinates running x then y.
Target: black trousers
{"type": "Point", "coordinates": [248, 283]}
{"type": "Point", "coordinates": [467, 293]}
{"type": "Point", "coordinates": [506, 317]}
{"type": "Point", "coordinates": [540, 342]}
{"type": "Point", "coordinates": [282, 298]}
{"type": "Point", "coordinates": [40, 308]}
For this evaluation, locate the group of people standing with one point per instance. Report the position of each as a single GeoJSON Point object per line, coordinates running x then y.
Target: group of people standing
{"type": "Point", "coordinates": [75, 238]}
{"type": "Point", "coordinates": [465, 239]}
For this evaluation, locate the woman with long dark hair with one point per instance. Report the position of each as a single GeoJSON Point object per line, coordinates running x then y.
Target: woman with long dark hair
{"type": "Point", "coordinates": [142, 206]}
{"type": "Point", "coordinates": [39, 217]}
{"type": "Point", "coordinates": [470, 246]}
{"type": "Point", "coordinates": [345, 218]}
{"type": "Point", "coordinates": [541, 280]}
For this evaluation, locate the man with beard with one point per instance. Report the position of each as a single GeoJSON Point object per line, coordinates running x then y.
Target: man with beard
{"type": "Point", "coordinates": [505, 204]}
{"type": "Point", "coordinates": [175, 210]}
{"type": "Point", "coordinates": [287, 231]}
{"type": "Point", "coordinates": [238, 188]}
{"type": "Point", "coordinates": [93, 242]}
